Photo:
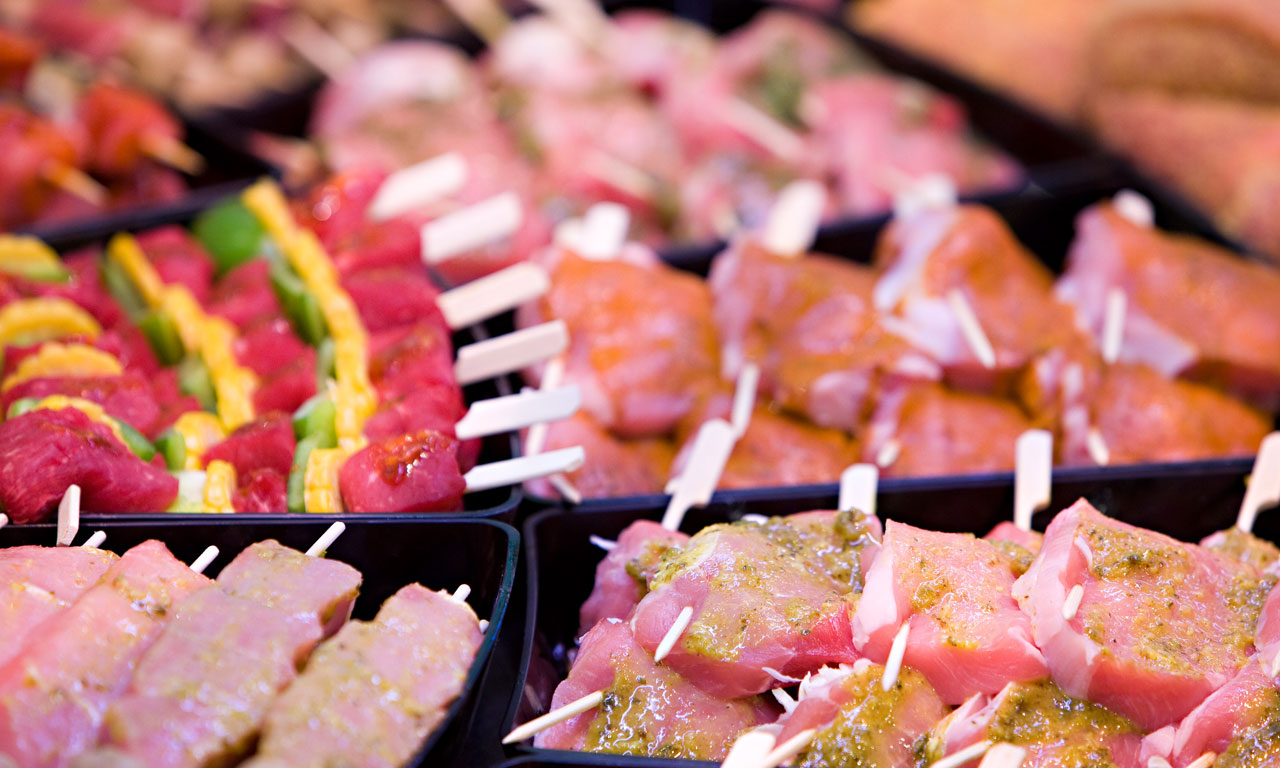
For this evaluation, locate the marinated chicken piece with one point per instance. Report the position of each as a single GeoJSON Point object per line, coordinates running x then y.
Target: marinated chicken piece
{"type": "Point", "coordinates": [1129, 413]}
{"type": "Point", "coordinates": [1239, 723]}
{"type": "Point", "coordinates": [1224, 328]}
{"type": "Point", "coordinates": [622, 577]}
{"type": "Point", "coordinates": [811, 326]}
{"type": "Point", "coordinates": [928, 429]}
{"type": "Point", "coordinates": [613, 466]}
{"type": "Point", "coordinates": [1057, 730]}
{"type": "Point", "coordinates": [648, 710]}
{"type": "Point", "coordinates": [926, 257]}
{"type": "Point", "coordinates": [775, 450]}
{"type": "Point", "coordinates": [1156, 626]}
{"type": "Point", "coordinates": [642, 362]}
{"type": "Point", "coordinates": [773, 596]}
{"type": "Point", "coordinates": [965, 634]}
{"type": "Point", "coordinates": [857, 721]}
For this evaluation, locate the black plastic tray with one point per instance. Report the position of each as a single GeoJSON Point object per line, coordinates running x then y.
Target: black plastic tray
{"type": "Point", "coordinates": [1045, 224]}
{"type": "Point", "coordinates": [496, 503]}
{"type": "Point", "coordinates": [1188, 501]}
{"type": "Point", "coordinates": [228, 168]}
{"type": "Point", "coordinates": [438, 554]}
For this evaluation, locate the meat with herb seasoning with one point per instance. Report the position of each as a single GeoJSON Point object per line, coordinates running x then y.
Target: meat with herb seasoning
{"type": "Point", "coordinates": [966, 634]}
{"type": "Point", "coordinates": [1157, 625]}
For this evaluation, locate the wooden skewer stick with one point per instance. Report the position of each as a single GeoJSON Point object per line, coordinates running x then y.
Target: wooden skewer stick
{"type": "Point", "coordinates": [788, 749]}
{"type": "Point", "coordinates": [1264, 482]}
{"type": "Point", "coordinates": [1004, 755]}
{"type": "Point", "coordinates": [888, 453]}
{"type": "Point", "coordinates": [744, 399]}
{"type": "Point", "coordinates": [317, 46]}
{"type": "Point", "coordinates": [603, 232]}
{"type": "Point", "coordinates": [472, 227]}
{"type": "Point", "coordinates": [581, 18]}
{"type": "Point", "coordinates": [461, 594]}
{"type": "Point", "coordinates": [750, 748]}
{"type": "Point", "coordinates": [1203, 761]}
{"type": "Point", "coordinates": [69, 516]}
{"type": "Point", "coordinates": [326, 539]}
{"type": "Point", "coordinates": [602, 543]}
{"type": "Point", "coordinates": [418, 186]}
{"type": "Point", "coordinates": [486, 18]}
{"type": "Point", "coordinates": [4, 519]}
{"type": "Point", "coordinates": [1096, 444]}
{"type": "Point", "coordinates": [536, 437]}
{"type": "Point", "coordinates": [914, 195]}
{"type": "Point", "coordinates": [960, 757]}
{"type": "Point", "coordinates": [1135, 208]}
{"type": "Point", "coordinates": [493, 294]}
{"type": "Point", "coordinates": [1113, 325]}
{"type": "Point", "coordinates": [1155, 761]}
{"type": "Point", "coordinates": [95, 540]}
{"type": "Point", "coordinates": [897, 651]}
{"type": "Point", "coordinates": [512, 471]}
{"type": "Point", "coordinates": [784, 699]}
{"type": "Point", "coordinates": [670, 639]}
{"type": "Point", "coordinates": [75, 182]}
{"type": "Point", "coordinates": [793, 221]}
{"type": "Point", "coordinates": [206, 557]}
{"type": "Point", "coordinates": [858, 484]}
{"type": "Point", "coordinates": [763, 129]}
{"type": "Point", "coordinates": [1033, 475]}
{"type": "Point", "coordinates": [620, 175]}
{"type": "Point", "coordinates": [977, 339]}
{"type": "Point", "coordinates": [568, 711]}
{"type": "Point", "coordinates": [173, 153]}
{"type": "Point", "coordinates": [511, 412]}
{"type": "Point", "coordinates": [711, 449]}
{"type": "Point", "coordinates": [510, 352]}
{"type": "Point", "coordinates": [1071, 606]}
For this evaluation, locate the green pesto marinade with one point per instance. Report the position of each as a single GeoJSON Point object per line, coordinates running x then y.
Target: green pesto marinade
{"type": "Point", "coordinates": [1260, 747]}
{"type": "Point", "coordinates": [854, 739]}
{"type": "Point", "coordinates": [622, 724]}
{"type": "Point", "coordinates": [1041, 713]}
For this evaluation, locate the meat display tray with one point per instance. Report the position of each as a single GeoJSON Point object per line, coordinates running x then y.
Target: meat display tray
{"type": "Point", "coordinates": [1188, 502]}
{"type": "Point", "coordinates": [1045, 224]}
{"type": "Point", "coordinates": [1054, 156]}
{"type": "Point", "coordinates": [228, 168]}
{"type": "Point", "coordinates": [496, 503]}
{"type": "Point", "coordinates": [439, 554]}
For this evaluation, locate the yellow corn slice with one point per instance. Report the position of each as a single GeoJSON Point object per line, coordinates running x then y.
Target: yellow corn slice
{"type": "Point", "coordinates": [322, 494]}
{"type": "Point", "coordinates": [219, 488]}
{"type": "Point", "coordinates": [182, 308]}
{"type": "Point", "coordinates": [20, 252]}
{"type": "Point", "coordinates": [232, 383]}
{"type": "Point", "coordinates": [124, 250]}
{"type": "Point", "coordinates": [200, 430]}
{"type": "Point", "coordinates": [266, 201]}
{"type": "Point", "coordinates": [87, 407]}
{"type": "Point", "coordinates": [55, 360]}
{"type": "Point", "coordinates": [28, 321]}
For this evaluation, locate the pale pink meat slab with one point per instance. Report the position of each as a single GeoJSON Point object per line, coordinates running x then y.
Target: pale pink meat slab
{"type": "Point", "coordinates": [966, 633]}
{"type": "Point", "coordinates": [773, 596]}
{"type": "Point", "coordinates": [39, 582]}
{"type": "Point", "coordinates": [622, 576]}
{"type": "Point", "coordinates": [1159, 625]}
{"type": "Point", "coordinates": [1057, 731]}
{"type": "Point", "coordinates": [648, 709]}
{"type": "Point", "coordinates": [858, 722]}
{"type": "Point", "coordinates": [53, 695]}
{"type": "Point", "coordinates": [372, 693]}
